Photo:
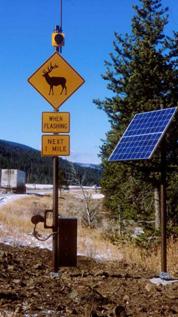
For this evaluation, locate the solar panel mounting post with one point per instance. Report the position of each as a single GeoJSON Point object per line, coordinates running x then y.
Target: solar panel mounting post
{"type": "Point", "coordinates": [163, 211]}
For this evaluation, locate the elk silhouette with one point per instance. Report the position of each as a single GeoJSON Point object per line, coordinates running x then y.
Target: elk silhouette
{"type": "Point", "coordinates": [54, 81]}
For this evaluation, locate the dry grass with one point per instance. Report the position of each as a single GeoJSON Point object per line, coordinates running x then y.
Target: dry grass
{"type": "Point", "coordinates": [15, 218]}
{"type": "Point", "coordinates": [7, 314]}
{"type": "Point", "coordinates": [17, 214]}
{"type": "Point", "coordinates": [92, 243]}
{"type": "Point", "coordinates": [150, 259]}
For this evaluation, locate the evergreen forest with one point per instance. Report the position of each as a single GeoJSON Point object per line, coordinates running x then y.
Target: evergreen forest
{"type": "Point", "coordinates": [142, 75]}
{"type": "Point", "coordinates": [39, 169]}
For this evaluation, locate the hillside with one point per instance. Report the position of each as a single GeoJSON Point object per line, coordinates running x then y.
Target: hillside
{"type": "Point", "coordinates": [39, 169]}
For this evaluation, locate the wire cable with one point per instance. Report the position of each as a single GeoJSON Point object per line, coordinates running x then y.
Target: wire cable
{"type": "Point", "coordinates": [61, 14]}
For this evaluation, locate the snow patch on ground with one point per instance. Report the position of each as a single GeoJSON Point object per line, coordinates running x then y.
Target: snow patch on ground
{"type": "Point", "coordinates": [11, 237]}
{"type": "Point", "coordinates": [6, 198]}
{"type": "Point", "coordinates": [85, 246]}
{"type": "Point", "coordinates": [97, 196]}
{"type": "Point", "coordinates": [160, 281]}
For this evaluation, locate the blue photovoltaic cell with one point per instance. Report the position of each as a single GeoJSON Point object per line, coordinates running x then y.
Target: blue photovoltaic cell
{"type": "Point", "coordinates": [142, 136]}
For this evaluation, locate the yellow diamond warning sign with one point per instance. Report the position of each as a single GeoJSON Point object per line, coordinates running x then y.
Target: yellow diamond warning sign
{"type": "Point", "coordinates": [56, 80]}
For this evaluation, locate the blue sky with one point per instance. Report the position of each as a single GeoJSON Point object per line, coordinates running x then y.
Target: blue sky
{"type": "Point", "coordinates": [25, 33]}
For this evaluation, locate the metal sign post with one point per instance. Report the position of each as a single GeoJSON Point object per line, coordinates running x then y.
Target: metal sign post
{"type": "Point", "coordinates": [56, 80]}
{"type": "Point", "coordinates": [55, 208]}
{"type": "Point", "coordinates": [55, 213]}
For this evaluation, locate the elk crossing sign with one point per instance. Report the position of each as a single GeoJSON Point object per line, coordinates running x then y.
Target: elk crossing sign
{"type": "Point", "coordinates": [56, 80]}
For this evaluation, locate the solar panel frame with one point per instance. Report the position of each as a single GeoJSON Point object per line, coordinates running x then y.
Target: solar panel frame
{"type": "Point", "coordinates": [143, 134]}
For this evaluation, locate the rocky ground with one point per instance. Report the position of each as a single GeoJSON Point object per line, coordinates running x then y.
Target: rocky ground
{"type": "Point", "coordinates": [27, 288]}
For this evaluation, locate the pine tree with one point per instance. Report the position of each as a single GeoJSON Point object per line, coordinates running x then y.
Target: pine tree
{"type": "Point", "coordinates": [142, 75]}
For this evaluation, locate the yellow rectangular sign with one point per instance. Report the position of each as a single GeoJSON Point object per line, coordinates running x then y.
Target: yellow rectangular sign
{"type": "Point", "coordinates": [56, 122]}
{"type": "Point", "coordinates": [55, 145]}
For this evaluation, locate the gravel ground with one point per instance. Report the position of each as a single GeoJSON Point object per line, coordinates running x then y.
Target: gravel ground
{"type": "Point", "coordinates": [27, 288]}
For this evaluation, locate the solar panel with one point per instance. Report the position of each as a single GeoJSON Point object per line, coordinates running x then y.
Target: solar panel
{"type": "Point", "coordinates": [143, 135]}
